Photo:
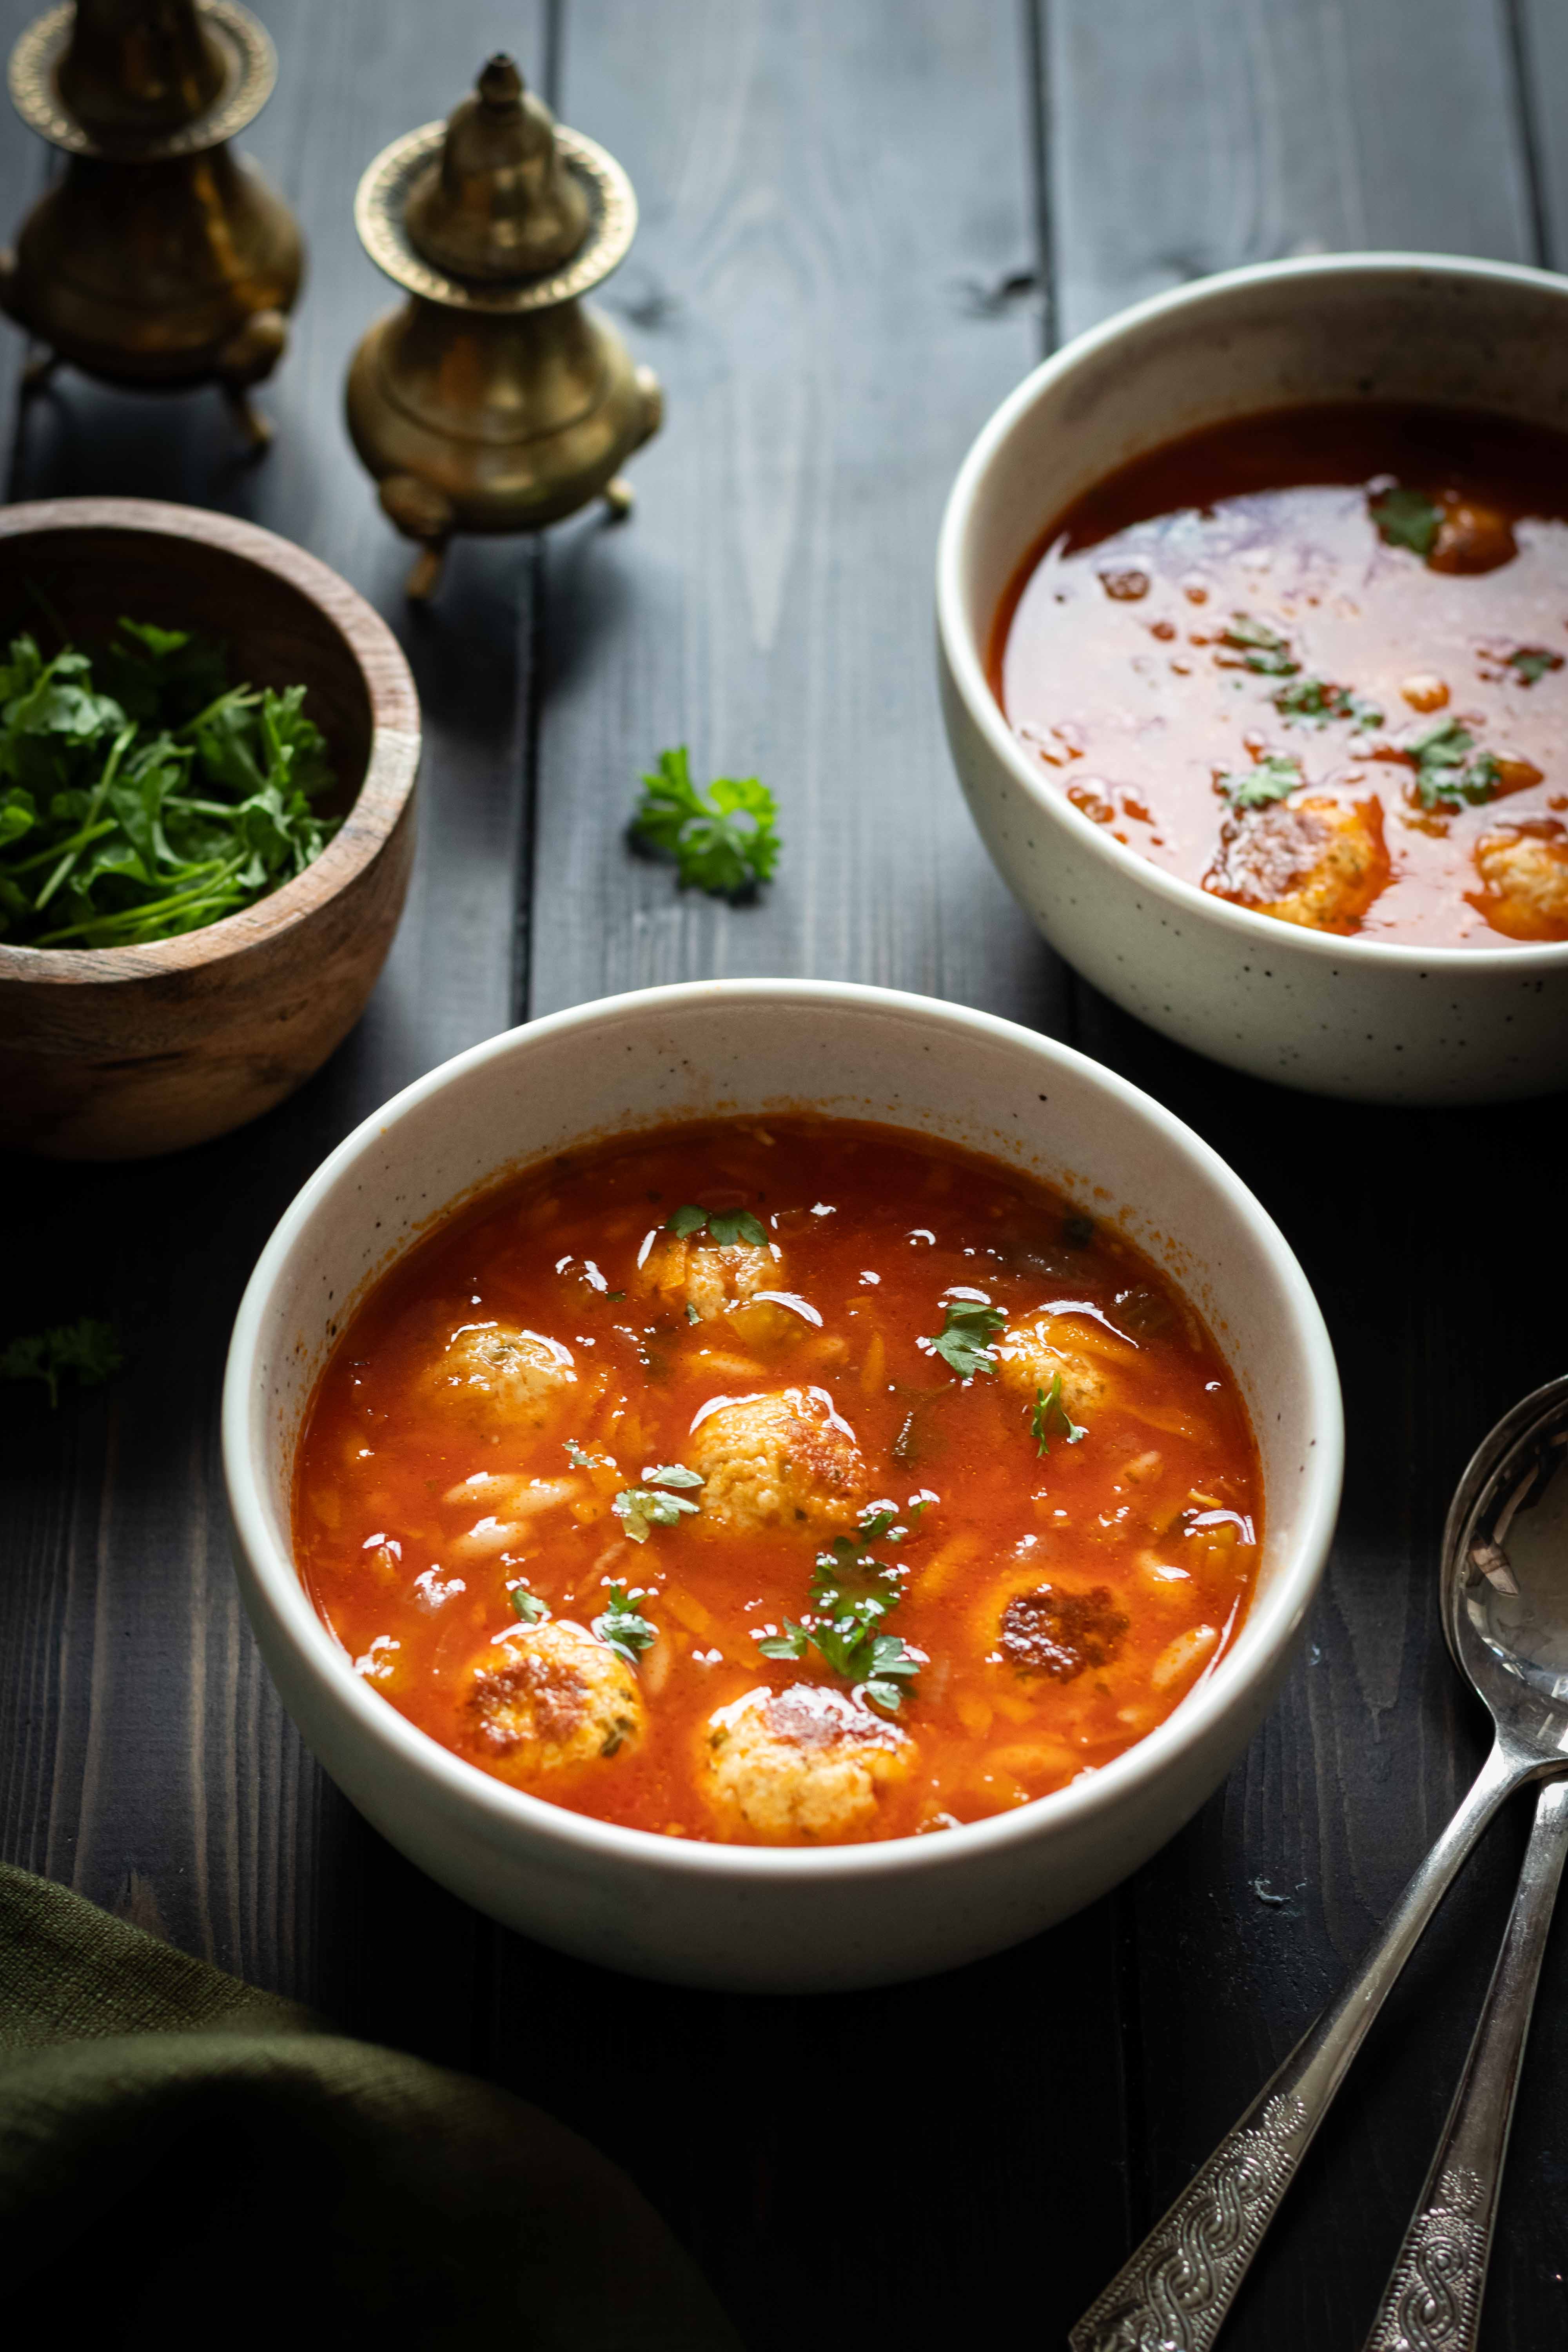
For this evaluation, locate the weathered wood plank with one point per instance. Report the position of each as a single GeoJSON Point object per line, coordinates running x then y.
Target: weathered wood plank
{"type": "Point", "coordinates": [145, 1759]}
{"type": "Point", "coordinates": [831, 197]}
{"type": "Point", "coordinates": [1179, 141]}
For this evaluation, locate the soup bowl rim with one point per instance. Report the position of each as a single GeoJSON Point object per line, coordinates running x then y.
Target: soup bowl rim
{"type": "Point", "coordinates": [965, 656]}
{"type": "Point", "coordinates": [1268, 1631]}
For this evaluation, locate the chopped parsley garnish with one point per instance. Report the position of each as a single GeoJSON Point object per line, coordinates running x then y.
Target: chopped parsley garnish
{"type": "Point", "coordinates": [142, 795]}
{"type": "Point", "coordinates": [671, 1473]}
{"type": "Point", "coordinates": [1532, 662]}
{"type": "Point", "coordinates": [1270, 779]}
{"type": "Point", "coordinates": [692, 1314]}
{"type": "Point", "coordinates": [1315, 703]}
{"type": "Point", "coordinates": [1445, 775]}
{"type": "Point", "coordinates": [851, 1593]}
{"type": "Point", "coordinates": [967, 1325]}
{"type": "Point", "coordinates": [1260, 647]}
{"type": "Point", "coordinates": [88, 1350]}
{"type": "Point", "coordinates": [528, 1605]}
{"type": "Point", "coordinates": [1049, 1415]}
{"type": "Point", "coordinates": [621, 1629]}
{"type": "Point", "coordinates": [722, 842]}
{"type": "Point", "coordinates": [725, 1227]}
{"type": "Point", "coordinates": [1407, 519]}
{"type": "Point", "coordinates": [640, 1509]}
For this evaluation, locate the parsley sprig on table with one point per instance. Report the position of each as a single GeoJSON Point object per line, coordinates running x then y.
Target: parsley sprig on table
{"type": "Point", "coordinates": [1445, 775]}
{"type": "Point", "coordinates": [1049, 1414]}
{"type": "Point", "coordinates": [88, 1350]}
{"type": "Point", "coordinates": [723, 841]}
{"type": "Point", "coordinates": [725, 1227]}
{"type": "Point", "coordinates": [142, 795]}
{"type": "Point", "coordinates": [969, 1322]}
{"type": "Point", "coordinates": [851, 1593]}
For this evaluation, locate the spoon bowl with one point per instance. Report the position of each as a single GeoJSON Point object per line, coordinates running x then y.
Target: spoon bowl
{"type": "Point", "coordinates": [1505, 1576]}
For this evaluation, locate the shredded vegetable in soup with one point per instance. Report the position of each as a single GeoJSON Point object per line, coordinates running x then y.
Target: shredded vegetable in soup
{"type": "Point", "coordinates": [1313, 661]}
{"type": "Point", "coordinates": [790, 1484]}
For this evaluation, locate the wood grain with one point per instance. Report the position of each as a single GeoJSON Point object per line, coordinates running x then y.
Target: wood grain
{"type": "Point", "coordinates": [1203, 135]}
{"type": "Point", "coordinates": [144, 1757]}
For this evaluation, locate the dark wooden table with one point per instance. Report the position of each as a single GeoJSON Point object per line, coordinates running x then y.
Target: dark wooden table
{"type": "Point", "coordinates": [862, 221]}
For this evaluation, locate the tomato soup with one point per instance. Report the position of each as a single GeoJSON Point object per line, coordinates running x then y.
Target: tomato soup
{"type": "Point", "coordinates": [790, 1482]}
{"type": "Point", "coordinates": [1313, 662]}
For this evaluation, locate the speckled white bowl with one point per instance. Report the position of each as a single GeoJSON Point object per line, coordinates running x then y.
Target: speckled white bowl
{"type": "Point", "coordinates": [734, 1916]}
{"type": "Point", "coordinates": [1343, 1016]}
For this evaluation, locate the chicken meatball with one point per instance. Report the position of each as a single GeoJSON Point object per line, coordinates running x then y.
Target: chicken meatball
{"type": "Point", "coordinates": [1032, 1354]}
{"type": "Point", "coordinates": [1058, 1633]}
{"type": "Point", "coordinates": [552, 1696]}
{"type": "Point", "coordinates": [504, 1379]}
{"type": "Point", "coordinates": [1317, 862]}
{"type": "Point", "coordinates": [800, 1767]}
{"type": "Point", "coordinates": [782, 1459]}
{"type": "Point", "coordinates": [1525, 870]}
{"type": "Point", "coordinates": [710, 1278]}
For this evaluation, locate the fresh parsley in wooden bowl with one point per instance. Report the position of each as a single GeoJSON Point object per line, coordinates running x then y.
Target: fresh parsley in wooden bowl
{"type": "Point", "coordinates": [123, 1031]}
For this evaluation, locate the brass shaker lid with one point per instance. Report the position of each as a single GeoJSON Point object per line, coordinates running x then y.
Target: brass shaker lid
{"type": "Point", "coordinates": [500, 201]}
{"type": "Point", "coordinates": [139, 82]}
{"type": "Point", "coordinates": [501, 208]}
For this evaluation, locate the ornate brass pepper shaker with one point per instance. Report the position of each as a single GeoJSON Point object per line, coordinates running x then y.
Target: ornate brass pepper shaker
{"type": "Point", "coordinates": [160, 260]}
{"type": "Point", "coordinates": [493, 401]}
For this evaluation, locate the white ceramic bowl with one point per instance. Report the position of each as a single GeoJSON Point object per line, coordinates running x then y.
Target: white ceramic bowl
{"type": "Point", "coordinates": [745, 1917]}
{"type": "Point", "coordinates": [1344, 1016]}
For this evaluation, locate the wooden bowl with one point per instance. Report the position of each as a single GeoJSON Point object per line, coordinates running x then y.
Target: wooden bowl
{"type": "Point", "coordinates": [119, 1053]}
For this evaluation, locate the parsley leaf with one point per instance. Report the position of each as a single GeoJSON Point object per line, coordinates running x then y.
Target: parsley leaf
{"type": "Point", "coordinates": [967, 1324]}
{"type": "Point", "coordinates": [153, 808]}
{"type": "Point", "coordinates": [1259, 647]}
{"type": "Point", "coordinates": [528, 1605]}
{"type": "Point", "coordinates": [1407, 519]}
{"type": "Point", "coordinates": [640, 1509]}
{"type": "Point", "coordinates": [1532, 662]}
{"type": "Point", "coordinates": [1050, 1412]}
{"type": "Point", "coordinates": [725, 1227]}
{"type": "Point", "coordinates": [671, 1473]}
{"type": "Point", "coordinates": [621, 1629]}
{"type": "Point", "coordinates": [713, 848]}
{"type": "Point", "coordinates": [1313, 703]}
{"type": "Point", "coordinates": [1446, 777]}
{"type": "Point", "coordinates": [87, 1348]}
{"type": "Point", "coordinates": [851, 1593]}
{"type": "Point", "coordinates": [1270, 779]}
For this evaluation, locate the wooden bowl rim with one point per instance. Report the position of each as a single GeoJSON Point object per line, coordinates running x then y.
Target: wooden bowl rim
{"type": "Point", "coordinates": [390, 768]}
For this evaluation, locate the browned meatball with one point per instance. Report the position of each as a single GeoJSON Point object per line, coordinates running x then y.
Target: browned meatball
{"type": "Point", "coordinates": [1524, 873]}
{"type": "Point", "coordinates": [552, 1696]}
{"type": "Point", "coordinates": [501, 1378]}
{"type": "Point", "coordinates": [782, 1459]}
{"type": "Point", "coordinates": [709, 1278]}
{"type": "Point", "coordinates": [1317, 862]}
{"type": "Point", "coordinates": [1058, 1634]}
{"type": "Point", "coordinates": [801, 1766]}
{"type": "Point", "coordinates": [1030, 1354]}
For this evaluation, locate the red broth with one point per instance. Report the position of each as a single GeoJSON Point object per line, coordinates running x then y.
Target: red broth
{"type": "Point", "coordinates": [1259, 670]}
{"type": "Point", "coordinates": [1049, 1596]}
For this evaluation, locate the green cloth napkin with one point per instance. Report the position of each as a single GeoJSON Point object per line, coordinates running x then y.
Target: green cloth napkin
{"type": "Point", "coordinates": [181, 2157]}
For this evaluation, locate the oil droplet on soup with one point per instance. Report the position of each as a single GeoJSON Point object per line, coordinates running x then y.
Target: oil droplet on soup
{"type": "Point", "coordinates": [796, 1483]}
{"type": "Point", "coordinates": [1314, 662]}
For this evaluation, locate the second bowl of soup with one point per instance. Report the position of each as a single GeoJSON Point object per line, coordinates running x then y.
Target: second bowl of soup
{"type": "Point", "coordinates": [1254, 610]}
{"type": "Point", "coordinates": [777, 1485]}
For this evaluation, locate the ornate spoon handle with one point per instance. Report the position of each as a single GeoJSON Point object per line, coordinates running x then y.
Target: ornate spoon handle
{"type": "Point", "coordinates": [1174, 2294]}
{"type": "Point", "coordinates": [1433, 2299]}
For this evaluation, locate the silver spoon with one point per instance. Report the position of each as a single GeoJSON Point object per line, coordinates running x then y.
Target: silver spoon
{"type": "Point", "coordinates": [1174, 2292]}
{"type": "Point", "coordinates": [1433, 2299]}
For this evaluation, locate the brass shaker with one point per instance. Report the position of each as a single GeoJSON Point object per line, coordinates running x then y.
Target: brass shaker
{"type": "Point", "coordinates": [160, 260]}
{"type": "Point", "coordinates": [494, 401]}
